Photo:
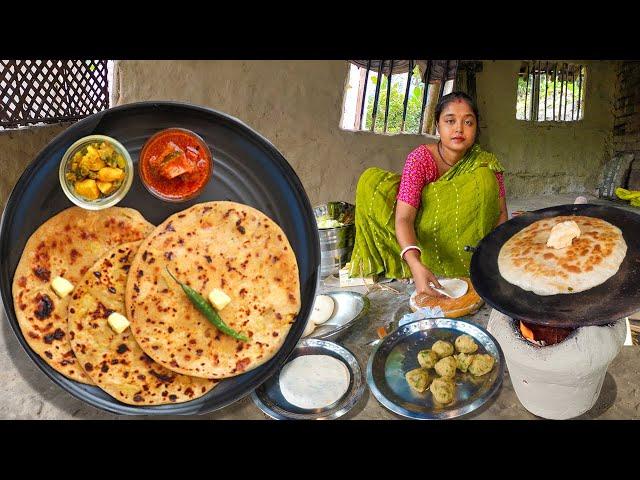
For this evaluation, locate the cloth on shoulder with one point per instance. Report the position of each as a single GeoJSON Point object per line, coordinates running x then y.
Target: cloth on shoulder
{"type": "Point", "coordinates": [456, 210]}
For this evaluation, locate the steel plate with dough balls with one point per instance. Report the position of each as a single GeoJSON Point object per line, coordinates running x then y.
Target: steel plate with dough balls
{"type": "Point", "coordinates": [589, 260]}
{"type": "Point", "coordinates": [66, 245]}
{"type": "Point", "coordinates": [114, 361]}
{"type": "Point", "coordinates": [247, 169]}
{"type": "Point", "coordinates": [617, 297]}
{"type": "Point", "coordinates": [397, 354]}
{"type": "Point", "coordinates": [214, 245]}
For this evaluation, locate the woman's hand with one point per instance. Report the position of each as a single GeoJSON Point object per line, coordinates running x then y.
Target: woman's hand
{"type": "Point", "coordinates": [422, 276]}
{"type": "Point", "coordinates": [405, 217]}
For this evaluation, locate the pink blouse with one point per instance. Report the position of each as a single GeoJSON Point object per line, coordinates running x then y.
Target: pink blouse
{"type": "Point", "coordinates": [421, 169]}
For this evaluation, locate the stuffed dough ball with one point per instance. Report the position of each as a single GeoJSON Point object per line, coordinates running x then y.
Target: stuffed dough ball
{"type": "Point", "coordinates": [443, 390]}
{"type": "Point", "coordinates": [446, 367]}
{"type": "Point", "coordinates": [481, 364]}
{"type": "Point", "coordinates": [427, 358]}
{"type": "Point", "coordinates": [442, 348]}
{"type": "Point", "coordinates": [466, 344]}
{"type": "Point", "coordinates": [418, 379]}
{"type": "Point", "coordinates": [463, 360]}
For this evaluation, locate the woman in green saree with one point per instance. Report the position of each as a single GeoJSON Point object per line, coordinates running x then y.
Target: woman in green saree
{"type": "Point", "coordinates": [449, 195]}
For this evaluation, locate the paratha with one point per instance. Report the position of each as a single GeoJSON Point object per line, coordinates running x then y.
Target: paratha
{"type": "Point", "coordinates": [468, 304]}
{"type": "Point", "coordinates": [593, 257]}
{"type": "Point", "coordinates": [223, 245]}
{"type": "Point", "coordinates": [114, 361]}
{"type": "Point", "coordinates": [66, 245]}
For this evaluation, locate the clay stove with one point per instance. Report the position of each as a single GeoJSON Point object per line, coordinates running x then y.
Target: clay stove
{"type": "Point", "coordinates": [557, 373]}
{"type": "Point", "coordinates": [562, 377]}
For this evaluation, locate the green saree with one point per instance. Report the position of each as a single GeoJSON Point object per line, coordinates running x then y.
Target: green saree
{"type": "Point", "coordinates": [458, 209]}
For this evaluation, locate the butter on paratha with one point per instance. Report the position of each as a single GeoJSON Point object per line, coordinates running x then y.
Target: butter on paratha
{"type": "Point", "coordinates": [114, 361]}
{"type": "Point", "coordinates": [592, 258]}
{"type": "Point", "coordinates": [223, 245]}
{"type": "Point", "coordinates": [66, 245]}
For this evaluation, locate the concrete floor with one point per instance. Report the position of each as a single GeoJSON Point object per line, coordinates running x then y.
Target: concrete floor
{"type": "Point", "coordinates": [28, 394]}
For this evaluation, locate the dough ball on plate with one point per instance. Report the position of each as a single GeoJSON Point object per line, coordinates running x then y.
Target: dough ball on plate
{"type": "Point", "coordinates": [481, 364]}
{"type": "Point", "coordinates": [466, 344]}
{"type": "Point", "coordinates": [418, 379]}
{"type": "Point", "coordinates": [446, 367]}
{"type": "Point", "coordinates": [322, 309]}
{"type": "Point", "coordinates": [442, 348]}
{"type": "Point", "coordinates": [427, 358]}
{"type": "Point", "coordinates": [443, 390]}
{"type": "Point", "coordinates": [463, 360]}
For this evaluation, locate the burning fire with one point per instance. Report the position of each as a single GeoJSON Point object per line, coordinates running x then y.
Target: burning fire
{"type": "Point", "coordinates": [527, 333]}
{"type": "Point", "coordinates": [543, 335]}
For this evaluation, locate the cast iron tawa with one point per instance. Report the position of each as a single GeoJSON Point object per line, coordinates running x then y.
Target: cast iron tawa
{"type": "Point", "coordinates": [614, 299]}
{"type": "Point", "coordinates": [247, 169]}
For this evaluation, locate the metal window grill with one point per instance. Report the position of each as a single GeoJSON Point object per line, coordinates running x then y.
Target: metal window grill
{"type": "Point", "coordinates": [550, 91]}
{"type": "Point", "coordinates": [51, 91]}
{"type": "Point", "coordinates": [420, 87]}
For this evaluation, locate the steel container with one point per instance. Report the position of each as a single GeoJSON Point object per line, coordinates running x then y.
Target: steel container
{"type": "Point", "coordinates": [336, 243]}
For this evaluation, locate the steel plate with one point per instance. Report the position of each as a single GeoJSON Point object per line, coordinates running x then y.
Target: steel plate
{"type": "Point", "coordinates": [397, 354]}
{"type": "Point", "coordinates": [270, 400]}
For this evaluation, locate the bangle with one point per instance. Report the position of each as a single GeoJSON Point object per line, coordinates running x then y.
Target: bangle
{"type": "Point", "coordinates": [410, 247]}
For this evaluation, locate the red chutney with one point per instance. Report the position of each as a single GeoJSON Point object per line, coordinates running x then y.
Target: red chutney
{"type": "Point", "coordinates": [175, 164]}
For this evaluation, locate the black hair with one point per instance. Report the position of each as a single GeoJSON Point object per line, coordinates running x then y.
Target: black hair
{"type": "Point", "coordinates": [450, 97]}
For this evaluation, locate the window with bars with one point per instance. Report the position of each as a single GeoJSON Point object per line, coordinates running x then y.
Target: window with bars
{"type": "Point", "coordinates": [389, 96]}
{"type": "Point", "coordinates": [51, 91]}
{"type": "Point", "coordinates": [550, 91]}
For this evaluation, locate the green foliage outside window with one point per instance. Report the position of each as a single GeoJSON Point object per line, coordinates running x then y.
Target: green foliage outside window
{"type": "Point", "coordinates": [396, 102]}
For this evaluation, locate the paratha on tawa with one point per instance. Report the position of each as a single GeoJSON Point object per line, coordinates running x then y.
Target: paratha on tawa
{"type": "Point", "coordinates": [66, 245]}
{"type": "Point", "coordinates": [114, 361]}
{"type": "Point", "coordinates": [525, 260]}
{"type": "Point", "coordinates": [467, 304]}
{"type": "Point", "coordinates": [222, 245]}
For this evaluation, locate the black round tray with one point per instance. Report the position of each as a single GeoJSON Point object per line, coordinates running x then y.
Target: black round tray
{"type": "Point", "coordinates": [614, 299]}
{"type": "Point", "coordinates": [247, 169]}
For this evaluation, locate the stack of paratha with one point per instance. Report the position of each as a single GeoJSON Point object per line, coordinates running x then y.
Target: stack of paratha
{"type": "Point", "coordinates": [66, 245]}
{"type": "Point", "coordinates": [593, 257]}
{"type": "Point", "coordinates": [114, 361]}
{"type": "Point", "coordinates": [116, 261]}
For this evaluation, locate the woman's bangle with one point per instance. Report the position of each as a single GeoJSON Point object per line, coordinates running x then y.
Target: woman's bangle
{"type": "Point", "coordinates": [410, 247]}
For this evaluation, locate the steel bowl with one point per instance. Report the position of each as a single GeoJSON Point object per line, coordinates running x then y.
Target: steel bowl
{"type": "Point", "coordinates": [336, 243]}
